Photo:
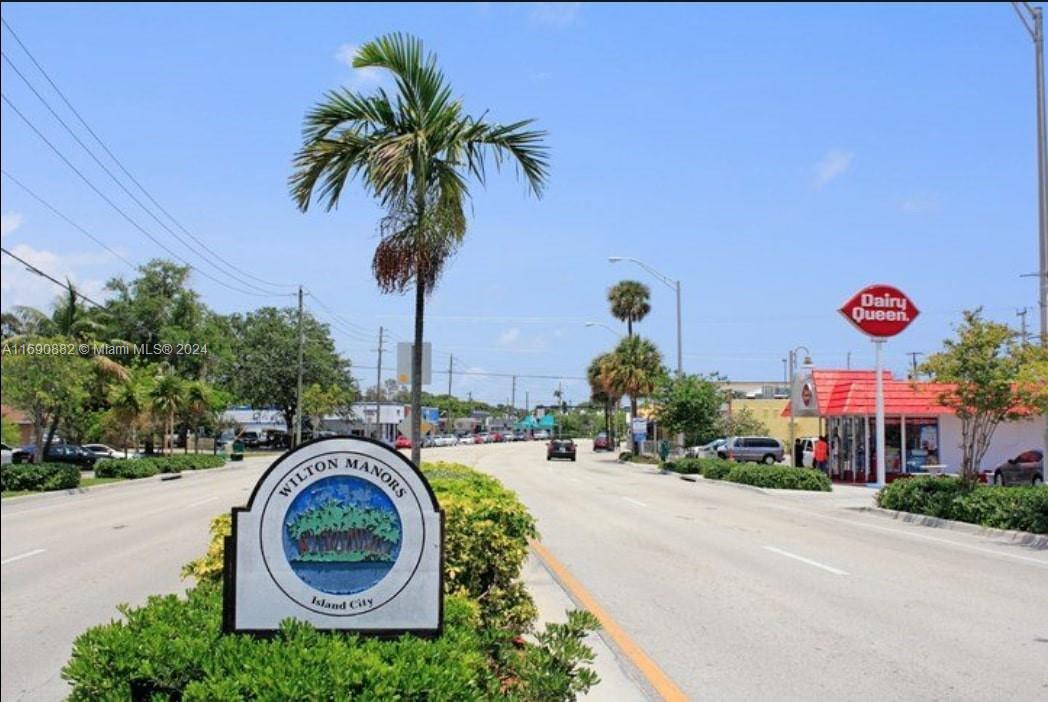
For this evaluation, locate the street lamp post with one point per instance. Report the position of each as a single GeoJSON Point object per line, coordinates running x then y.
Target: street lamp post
{"type": "Point", "coordinates": [1032, 18]}
{"type": "Point", "coordinates": [671, 283]}
{"type": "Point", "coordinates": [605, 326]}
{"type": "Point", "coordinates": [793, 371]}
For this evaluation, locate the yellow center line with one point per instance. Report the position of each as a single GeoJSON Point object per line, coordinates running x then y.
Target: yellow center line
{"type": "Point", "coordinates": [661, 682]}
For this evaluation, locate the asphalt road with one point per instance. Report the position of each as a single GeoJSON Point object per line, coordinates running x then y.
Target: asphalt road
{"type": "Point", "coordinates": [735, 594]}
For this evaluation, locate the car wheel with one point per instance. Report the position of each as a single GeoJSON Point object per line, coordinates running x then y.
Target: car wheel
{"type": "Point", "coordinates": [572, 459]}
{"type": "Point", "coordinates": [998, 479]}
{"type": "Point", "coordinates": [1037, 480]}
{"type": "Point", "coordinates": [769, 460]}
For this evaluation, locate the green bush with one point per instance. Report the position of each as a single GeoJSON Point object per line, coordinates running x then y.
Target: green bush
{"type": "Point", "coordinates": [626, 456]}
{"type": "Point", "coordinates": [39, 477]}
{"type": "Point", "coordinates": [1020, 508]}
{"type": "Point", "coordinates": [686, 466]}
{"type": "Point", "coordinates": [780, 477]}
{"type": "Point", "coordinates": [172, 648]}
{"type": "Point", "coordinates": [715, 468]}
{"type": "Point", "coordinates": [150, 466]}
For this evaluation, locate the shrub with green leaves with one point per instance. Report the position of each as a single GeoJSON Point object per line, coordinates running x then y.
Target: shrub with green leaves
{"type": "Point", "coordinates": [780, 477]}
{"type": "Point", "coordinates": [686, 466]}
{"type": "Point", "coordinates": [1020, 508]}
{"type": "Point", "coordinates": [715, 468]}
{"type": "Point", "coordinates": [39, 477]}
{"type": "Point", "coordinates": [150, 466]}
{"type": "Point", "coordinates": [172, 648]}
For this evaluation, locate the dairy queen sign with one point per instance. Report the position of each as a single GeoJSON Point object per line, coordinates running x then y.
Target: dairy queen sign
{"type": "Point", "coordinates": [344, 533]}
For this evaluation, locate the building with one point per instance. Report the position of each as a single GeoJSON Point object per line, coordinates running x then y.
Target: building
{"type": "Point", "coordinates": [770, 413]}
{"type": "Point", "coordinates": [21, 421]}
{"type": "Point", "coordinates": [920, 433]}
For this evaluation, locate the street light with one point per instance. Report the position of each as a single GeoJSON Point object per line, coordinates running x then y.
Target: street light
{"type": "Point", "coordinates": [1032, 19]}
{"type": "Point", "coordinates": [605, 326]}
{"type": "Point", "coordinates": [670, 282]}
{"type": "Point", "coordinates": [793, 371]}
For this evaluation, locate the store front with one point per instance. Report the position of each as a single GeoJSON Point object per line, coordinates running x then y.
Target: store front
{"type": "Point", "coordinates": [911, 446]}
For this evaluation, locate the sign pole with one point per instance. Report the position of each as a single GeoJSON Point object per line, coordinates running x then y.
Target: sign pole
{"type": "Point", "coordinates": [878, 345]}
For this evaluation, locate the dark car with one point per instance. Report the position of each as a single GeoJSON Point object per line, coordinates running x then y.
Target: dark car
{"type": "Point", "coordinates": [560, 448]}
{"type": "Point", "coordinates": [601, 442]}
{"type": "Point", "coordinates": [1025, 469]}
{"type": "Point", "coordinates": [57, 453]}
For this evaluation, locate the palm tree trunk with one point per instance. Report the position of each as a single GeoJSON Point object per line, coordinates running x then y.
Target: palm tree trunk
{"type": "Point", "coordinates": [629, 327]}
{"type": "Point", "coordinates": [416, 375]}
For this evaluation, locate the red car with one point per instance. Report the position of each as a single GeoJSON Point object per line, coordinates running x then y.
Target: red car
{"type": "Point", "coordinates": [601, 443]}
{"type": "Point", "coordinates": [402, 442]}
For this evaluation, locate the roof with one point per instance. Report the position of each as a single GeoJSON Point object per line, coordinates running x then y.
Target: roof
{"type": "Point", "coordinates": [14, 415]}
{"type": "Point", "coordinates": [854, 392]}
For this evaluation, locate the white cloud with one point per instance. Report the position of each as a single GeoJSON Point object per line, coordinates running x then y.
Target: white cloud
{"type": "Point", "coordinates": [19, 286]}
{"type": "Point", "coordinates": [834, 164]}
{"type": "Point", "coordinates": [361, 77]}
{"type": "Point", "coordinates": [555, 14]}
{"type": "Point", "coordinates": [9, 222]}
{"type": "Point", "coordinates": [508, 337]}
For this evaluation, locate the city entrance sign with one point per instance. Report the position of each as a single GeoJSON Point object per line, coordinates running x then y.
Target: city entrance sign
{"type": "Point", "coordinates": [880, 310]}
{"type": "Point", "coordinates": [343, 533]}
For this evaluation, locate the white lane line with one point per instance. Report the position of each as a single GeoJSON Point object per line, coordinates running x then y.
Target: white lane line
{"type": "Point", "coordinates": [636, 502]}
{"type": "Point", "coordinates": [909, 534]}
{"type": "Point", "coordinates": [201, 502]}
{"type": "Point", "coordinates": [28, 554]}
{"type": "Point", "coordinates": [802, 559]}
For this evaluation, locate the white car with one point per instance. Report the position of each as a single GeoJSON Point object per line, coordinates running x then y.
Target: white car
{"type": "Point", "coordinates": [541, 435]}
{"type": "Point", "coordinates": [5, 454]}
{"type": "Point", "coordinates": [706, 450]}
{"type": "Point", "coordinates": [103, 451]}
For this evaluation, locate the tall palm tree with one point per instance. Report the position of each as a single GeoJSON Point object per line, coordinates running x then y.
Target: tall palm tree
{"type": "Point", "coordinates": [166, 397]}
{"type": "Point", "coordinates": [415, 152]}
{"type": "Point", "coordinates": [127, 404]}
{"type": "Point", "coordinates": [634, 368]}
{"type": "Point", "coordinates": [629, 302]}
{"type": "Point", "coordinates": [200, 401]}
{"type": "Point", "coordinates": [599, 391]}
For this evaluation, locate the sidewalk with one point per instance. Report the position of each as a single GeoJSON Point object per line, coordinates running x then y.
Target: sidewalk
{"type": "Point", "coordinates": [616, 682]}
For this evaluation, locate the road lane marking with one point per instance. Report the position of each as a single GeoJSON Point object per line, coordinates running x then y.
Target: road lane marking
{"type": "Point", "coordinates": [802, 559]}
{"type": "Point", "coordinates": [660, 682]}
{"type": "Point", "coordinates": [905, 532]}
{"type": "Point", "coordinates": [202, 502]}
{"type": "Point", "coordinates": [636, 502]}
{"type": "Point", "coordinates": [28, 554]}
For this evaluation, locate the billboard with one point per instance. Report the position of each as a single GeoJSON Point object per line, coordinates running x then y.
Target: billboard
{"type": "Point", "coordinates": [404, 350]}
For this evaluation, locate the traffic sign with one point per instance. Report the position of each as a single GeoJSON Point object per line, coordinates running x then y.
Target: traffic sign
{"type": "Point", "coordinates": [880, 310]}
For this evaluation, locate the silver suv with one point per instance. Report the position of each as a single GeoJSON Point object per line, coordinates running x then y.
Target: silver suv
{"type": "Point", "coordinates": [755, 449]}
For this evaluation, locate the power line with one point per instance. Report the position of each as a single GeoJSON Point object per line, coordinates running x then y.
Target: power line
{"type": "Point", "coordinates": [494, 375]}
{"type": "Point", "coordinates": [66, 286]}
{"type": "Point", "coordinates": [119, 163]}
{"type": "Point", "coordinates": [121, 212]}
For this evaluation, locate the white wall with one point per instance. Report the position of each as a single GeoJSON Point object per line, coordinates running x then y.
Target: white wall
{"type": "Point", "coordinates": [1010, 439]}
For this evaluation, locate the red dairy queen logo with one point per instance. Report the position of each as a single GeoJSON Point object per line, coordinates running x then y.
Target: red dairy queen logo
{"type": "Point", "coordinates": [880, 310]}
{"type": "Point", "coordinates": [806, 394]}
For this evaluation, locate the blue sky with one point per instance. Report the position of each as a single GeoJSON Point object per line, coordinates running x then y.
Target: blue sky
{"type": "Point", "coordinates": [776, 158]}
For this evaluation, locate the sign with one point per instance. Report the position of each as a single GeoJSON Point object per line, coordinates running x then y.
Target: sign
{"type": "Point", "coordinates": [404, 350]}
{"type": "Point", "coordinates": [803, 400]}
{"type": "Point", "coordinates": [343, 533]}
{"type": "Point", "coordinates": [880, 310]}
{"type": "Point", "coordinates": [639, 425]}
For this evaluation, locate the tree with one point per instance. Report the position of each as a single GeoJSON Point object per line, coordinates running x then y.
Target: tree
{"type": "Point", "coordinates": [166, 397]}
{"type": "Point", "coordinates": [318, 401]}
{"type": "Point", "coordinates": [629, 302]}
{"type": "Point", "coordinates": [599, 392]}
{"type": "Point", "coordinates": [200, 409]}
{"type": "Point", "coordinates": [127, 408]}
{"type": "Point", "coordinates": [24, 321]}
{"type": "Point", "coordinates": [690, 405]}
{"type": "Point", "coordinates": [44, 386]}
{"type": "Point", "coordinates": [415, 152]}
{"type": "Point", "coordinates": [742, 422]}
{"type": "Point", "coordinates": [991, 378]}
{"type": "Point", "coordinates": [263, 369]}
{"type": "Point", "coordinates": [634, 368]}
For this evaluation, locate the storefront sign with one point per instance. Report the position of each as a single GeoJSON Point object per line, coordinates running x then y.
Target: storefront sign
{"type": "Point", "coordinates": [803, 401]}
{"type": "Point", "coordinates": [880, 310]}
{"type": "Point", "coordinates": [343, 533]}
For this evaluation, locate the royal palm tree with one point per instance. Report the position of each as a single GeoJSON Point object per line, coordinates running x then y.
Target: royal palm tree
{"type": "Point", "coordinates": [634, 368]}
{"type": "Point", "coordinates": [128, 405]}
{"type": "Point", "coordinates": [166, 397]}
{"type": "Point", "coordinates": [415, 152]}
{"type": "Point", "coordinates": [629, 302]}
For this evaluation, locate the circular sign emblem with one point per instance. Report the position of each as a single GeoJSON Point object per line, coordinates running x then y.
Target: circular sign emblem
{"type": "Point", "coordinates": [342, 533]}
{"type": "Point", "coordinates": [806, 394]}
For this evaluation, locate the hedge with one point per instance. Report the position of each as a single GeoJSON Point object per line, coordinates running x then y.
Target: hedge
{"type": "Point", "coordinates": [1019, 508]}
{"type": "Point", "coordinates": [172, 648]}
{"type": "Point", "coordinates": [147, 467]}
{"type": "Point", "coordinates": [782, 478]}
{"type": "Point", "coordinates": [715, 468]}
{"type": "Point", "coordinates": [39, 477]}
{"type": "Point", "coordinates": [686, 466]}
{"type": "Point", "coordinates": [628, 457]}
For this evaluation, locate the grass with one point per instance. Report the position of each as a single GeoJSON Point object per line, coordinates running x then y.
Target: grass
{"type": "Point", "coordinates": [16, 493]}
{"type": "Point", "coordinates": [84, 482]}
{"type": "Point", "coordinates": [87, 482]}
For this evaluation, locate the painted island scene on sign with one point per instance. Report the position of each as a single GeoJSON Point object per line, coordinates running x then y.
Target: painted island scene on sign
{"type": "Point", "coordinates": [341, 535]}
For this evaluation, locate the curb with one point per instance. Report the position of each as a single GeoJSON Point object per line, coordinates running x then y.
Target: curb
{"type": "Point", "coordinates": [741, 486]}
{"type": "Point", "coordinates": [1019, 538]}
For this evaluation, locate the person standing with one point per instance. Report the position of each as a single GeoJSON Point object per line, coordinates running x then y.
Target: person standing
{"type": "Point", "coordinates": [821, 453]}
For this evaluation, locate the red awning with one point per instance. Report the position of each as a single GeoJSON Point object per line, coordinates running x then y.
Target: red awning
{"type": "Point", "coordinates": [853, 392]}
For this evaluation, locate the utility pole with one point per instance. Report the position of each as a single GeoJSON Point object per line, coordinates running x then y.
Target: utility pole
{"type": "Point", "coordinates": [378, 385]}
{"type": "Point", "coordinates": [1021, 314]}
{"type": "Point", "coordinates": [298, 394]}
{"type": "Point", "coordinates": [527, 402]}
{"type": "Point", "coordinates": [913, 357]}
{"type": "Point", "coordinates": [847, 363]}
{"type": "Point", "coordinates": [450, 428]}
{"type": "Point", "coordinates": [513, 397]}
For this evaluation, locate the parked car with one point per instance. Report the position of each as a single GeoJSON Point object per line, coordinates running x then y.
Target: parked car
{"type": "Point", "coordinates": [103, 451]}
{"type": "Point", "coordinates": [1025, 469]}
{"type": "Point", "coordinates": [806, 446]}
{"type": "Point", "coordinates": [706, 450]}
{"type": "Point", "coordinates": [754, 449]}
{"type": "Point", "coordinates": [57, 453]}
{"type": "Point", "coordinates": [601, 442]}
{"type": "Point", "coordinates": [5, 454]}
{"type": "Point", "coordinates": [540, 435]}
{"type": "Point", "coordinates": [402, 442]}
{"type": "Point", "coordinates": [560, 448]}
